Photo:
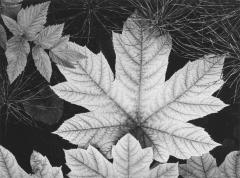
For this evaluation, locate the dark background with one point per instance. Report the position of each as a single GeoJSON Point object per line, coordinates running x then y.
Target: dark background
{"type": "Point", "coordinates": [30, 111]}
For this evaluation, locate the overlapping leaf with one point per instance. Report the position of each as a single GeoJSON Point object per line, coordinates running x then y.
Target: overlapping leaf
{"type": "Point", "coordinates": [30, 27]}
{"type": "Point", "coordinates": [129, 160]}
{"type": "Point", "coordinates": [205, 166]}
{"type": "Point", "coordinates": [140, 101]}
{"type": "Point", "coordinates": [30, 21]}
{"type": "Point", "coordinates": [40, 165]}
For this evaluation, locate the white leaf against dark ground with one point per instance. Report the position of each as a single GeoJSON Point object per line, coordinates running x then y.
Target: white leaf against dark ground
{"type": "Point", "coordinates": [129, 160]}
{"type": "Point", "coordinates": [41, 167]}
{"type": "Point", "coordinates": [206, 166]}
{"type": "Point", "coordinates": [139, 100]}
{"type": "Point", "coordinates": [9, 166]}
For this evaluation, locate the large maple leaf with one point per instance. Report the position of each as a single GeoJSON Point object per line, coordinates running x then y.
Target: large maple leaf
{"type": "Point", "coordinates": [139, 100]}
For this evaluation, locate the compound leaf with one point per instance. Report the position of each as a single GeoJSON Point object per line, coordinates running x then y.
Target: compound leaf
{"type": "Point", "coordinates": [16, 53]}
{"type": "Point", "coordinates": [129, 160]}
{"type": "Point", "coordinates": [33, 18]}
{"type": "Point", "coordinates": [49, 36]}
{"type": "Point", "coordinates": [42, 62]}
{"type": "Point", "coordinates": [141, 101]}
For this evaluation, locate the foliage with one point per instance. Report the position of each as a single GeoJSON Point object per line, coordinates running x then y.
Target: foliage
{"type": "Point", "coordinates": [140, 101]}
{"type": "Point", "coordinates": [129, 160]}
{"type": "Point", "coordinates": [30, 28]}
{"type": "Point", "coordinates": [205, 166]}
{"type": "Point", "coordinates": [40, 166]}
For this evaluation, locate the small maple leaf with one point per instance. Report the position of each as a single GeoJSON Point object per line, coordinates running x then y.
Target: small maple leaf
{"type": "Point", "coordinates": [206, 166]}
{"type": "Point", "coordinates": [139, 100]}
{"type": "Point", "coordinates": [40, 166]}
{"type": "Point", "coordinates": [129, 160]}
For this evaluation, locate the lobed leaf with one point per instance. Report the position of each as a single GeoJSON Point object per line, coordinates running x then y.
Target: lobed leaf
{"type": "Point", "coordinates": [205, 166]}
{"type": "Point", "coordinates": [9, 166]}
{"type": "Point", "coordinates": [139, 99]}
{"type": "Point", "coordinates": [40, 166]}
{"type": "Point", "coordinates": [129, 160]}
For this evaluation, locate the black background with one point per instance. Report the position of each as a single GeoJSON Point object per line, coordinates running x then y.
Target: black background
{"type": "Point", "coordinates": [22, 138]}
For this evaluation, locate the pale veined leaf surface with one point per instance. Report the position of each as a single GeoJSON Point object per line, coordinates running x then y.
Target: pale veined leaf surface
{"type": "Point", "coordinates": [141, 98]}
{"type": "Point", "coordinates": [197, 167]}
{"type": "Point", "coordinates": [206, 166]}
{"type": "Point", "coordinates": [129, 161]}
{"type": "Point", "coordinates": [230, 168]}
{"type": "Point", "coordinates": [41, 167]}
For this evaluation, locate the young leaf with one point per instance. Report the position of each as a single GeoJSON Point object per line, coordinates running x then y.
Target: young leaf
{"type": "Point", "coordinates": [12, 25]}
{"type": "Point", "coordinates": [67, 53]}
{"type": "Point", "coordinates": [40, 166]}
{"type": "Point", "coordinates": [129, 160]}
{"type": "Point", "coordinates": [9, 166]}
{"type": "Point", "coordinates": [16, 53]}
{"type": "Point", "coordinates": [49, 36]}
{"type": "Point", "coordinates": [42, 62]}
{"type": "Point", "coordinates": [140, 101]}
{"type": "Point", "coordinates": [196, 167]}
{"type": "Point", "coordinates": [230, 168]}
{"type": "Point", "coordinates": [3, 37]}
{"type": "Point", "coordinates": [32, 19]}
